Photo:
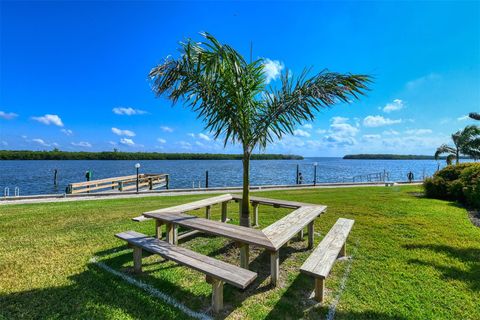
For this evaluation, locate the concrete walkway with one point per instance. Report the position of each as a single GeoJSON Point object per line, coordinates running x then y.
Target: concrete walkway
{"type": "Point", "coordinates": [180, 192]}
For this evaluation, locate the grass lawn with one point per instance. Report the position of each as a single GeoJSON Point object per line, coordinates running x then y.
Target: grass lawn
{"type": "Point", "coordinates": [413, 258]}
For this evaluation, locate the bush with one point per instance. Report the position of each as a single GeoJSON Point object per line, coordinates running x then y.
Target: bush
{"type": "Point", "coordinates": [456, 182]}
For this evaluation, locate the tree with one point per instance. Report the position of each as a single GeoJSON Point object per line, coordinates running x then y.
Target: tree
{"type": "Point", "coordinates": [466, 142]}
{"type": "Point", "coordinates": [474, 115]}
{"type": "Point", "coordinates": [232, 97]}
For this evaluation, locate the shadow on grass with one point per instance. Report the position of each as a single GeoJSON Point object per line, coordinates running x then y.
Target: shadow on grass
{"type": "Point", "coordinates": [470, 256]}
{"type": "Point", "coordinates": [92, 294]}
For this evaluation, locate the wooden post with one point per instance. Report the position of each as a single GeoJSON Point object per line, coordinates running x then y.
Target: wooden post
{"type": "Point", "coordinates": [343, 251]}
{"type": "Point", "coordinates": [137, 259]}
{"type": "Point", "coordinates": [206, 179]}
{"type": "Point", "coordinates": [319, 288]}
{"type": "Point", "coordinates": [255, 213]}
{"type": "Point", "coordinates": [244, 255]}
{"type": "Point", "coordinates": [55, 177]}
{"type": "Point", "coordinates": [158, 229]}
{"type": "Point", "coordinates": [274, 267]}
{"type": "Point", "coordinates": [120, 186]}
{"type": "Point", "coordinates": [310, 235]}
{"type": "Point", "coordinates": [217, 295]}
{"type": "Point", "coordinates": [297, 175]}
{"type": "Point", "coordinates": [167, 180]}
{"type": "Point", "coordinates": [224, 211]}
{"type": "Point", "coordinates": [208, 210]}
{"type": "Point", "coordinates": [300, 235]}
{"type": "Point", "coordinates": [150, 183]}
{"type": "Point", "coordinates": [172, 236]}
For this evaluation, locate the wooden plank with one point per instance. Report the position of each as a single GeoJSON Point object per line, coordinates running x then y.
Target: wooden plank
{"type": "Point", "coordinates": [217, 269]}
{"type": "Point", "coordinates": [195, 205]}
{"type": "Point", "coordinates": [286, 228]}
{"type": "Point", "coordinates": [320, 262]}
{"type": "Point", "coordinates": [238, 233]}
{"type": "Point", "coordinates": [275, 202]}
{"type": "Point", "coordinates": [106, 180]}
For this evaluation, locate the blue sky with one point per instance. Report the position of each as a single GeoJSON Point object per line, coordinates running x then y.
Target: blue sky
{"type": "Point", "coordinates": [73, 75]}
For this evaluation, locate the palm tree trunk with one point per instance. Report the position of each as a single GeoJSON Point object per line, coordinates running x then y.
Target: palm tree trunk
{"type": "Point", "coordinates": [457, 155]}
{"type": "Point", "coordinates": [245, 208]}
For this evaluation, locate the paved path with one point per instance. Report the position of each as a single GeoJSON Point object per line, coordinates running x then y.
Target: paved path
{"type": "Point", "coordinates": [180, 192]}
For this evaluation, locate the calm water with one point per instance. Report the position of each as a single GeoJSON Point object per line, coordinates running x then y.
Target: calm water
{"type": "Point", "coordinates": [36, 177]}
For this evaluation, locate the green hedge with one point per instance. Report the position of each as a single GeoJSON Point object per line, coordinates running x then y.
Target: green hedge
{"type": "Point", "coordinates": [456, 182]}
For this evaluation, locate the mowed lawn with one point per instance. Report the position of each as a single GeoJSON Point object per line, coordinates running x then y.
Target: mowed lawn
{"type": "Point", "coordinates": [413, 258]}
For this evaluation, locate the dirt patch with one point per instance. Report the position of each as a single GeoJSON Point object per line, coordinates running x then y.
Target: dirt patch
{"type": "Point", "coordinates": [474, 216]}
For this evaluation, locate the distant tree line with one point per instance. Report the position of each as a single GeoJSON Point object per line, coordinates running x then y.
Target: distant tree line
{"type": "Point", "coordinates": [390, 157]}
{"type": "Point", "coordinates": [116, 155]}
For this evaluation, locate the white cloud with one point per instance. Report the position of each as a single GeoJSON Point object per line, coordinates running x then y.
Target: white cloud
{"type": "Point", "coordinates": [418, 131]}
{"type": "Point", "coordinates": [41, 142]}
{"type": "Point", "coordinates": [414, 84]}
{"type": "Point", "coordinates": [4, 143]}
{"type": "Point", "coordinates": [67, 132]}
{"type": "Point", "coordinates": [301, 133]}
{"type": "Point", "coordinates": [272, 69]}
{"type": "Point", "coordinates": [336, 120]}
{"type": "Point", "coordinates": [120, 132]}
{"type": "Point", "coordinates": [396, 105]}
{"type": "Point", "coordinates": [127, 142]}
{"type": "Point", "coordinates": [162, 141]}
{"type": "Point", "coordinates": [127, 111]}
{"type": "Point", "coordinates": [391, 132]}
{"type": "Point", "coordinates": [307, 126]}
{"type": "Point", "coordinates": [166, 129]}
{"type": "Point", "coordinates": [379, 121]}
{"type": "Point", "coordinates": [321, 131]}
{"type": "Point", "coordinates": [203, 137]}
{"type": "Point", "coordinates": [185, 145]}
{"type": "Point", "coordinates": [369, 137]}
{"type": "Point", "coordinates": [84, 144]}
{"type": "Point", "coordinates": [191, 135]}
{"type": "Point", "coordinates": [463, 118]}
{"type": "Point", "coordinates": [49, 119]}
{"type": "Point", "coordinates": [199, 144]}
{"type": "Point", "coordinates": [8, 115]}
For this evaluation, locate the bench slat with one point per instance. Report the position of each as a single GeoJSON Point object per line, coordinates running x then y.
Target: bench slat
{"type": "Point", "coordinates": [231, 274]}
{"type": "Point", "coordinates": [320, 262]}
{"type": "Point", "coordinates": [287, 227]}
{"type": "Point", "coordinates": [275, 202]}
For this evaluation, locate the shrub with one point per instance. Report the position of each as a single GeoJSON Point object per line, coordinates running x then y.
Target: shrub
{"type": "Point", "coordinates": [456, 182]}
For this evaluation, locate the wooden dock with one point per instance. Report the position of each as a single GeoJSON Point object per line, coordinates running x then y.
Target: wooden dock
{"type": "Point", "coordinates": [125, 183]}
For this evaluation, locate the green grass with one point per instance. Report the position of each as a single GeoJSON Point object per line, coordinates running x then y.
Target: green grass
{"type": "Point", "coordinates": [413, 258]}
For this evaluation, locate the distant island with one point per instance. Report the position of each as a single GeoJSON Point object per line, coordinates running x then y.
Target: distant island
{"type": "Point", "coordinates": [390, 157]}
{"type": "Point", "coordinates": [117, 155]}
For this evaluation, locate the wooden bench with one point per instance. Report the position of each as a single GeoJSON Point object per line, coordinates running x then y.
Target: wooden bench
{"type": "Point", "coordinates": [288, 227]}
{"type": "Point", "coordinates": [321, 261]}
{"type": "Point", "coordinates": [217, 272]}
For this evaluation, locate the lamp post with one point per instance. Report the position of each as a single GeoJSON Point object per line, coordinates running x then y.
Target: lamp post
{"type": "Point", "coordinates": [315, 173]}
{"type": "Point", "coordinates": [137, 166]}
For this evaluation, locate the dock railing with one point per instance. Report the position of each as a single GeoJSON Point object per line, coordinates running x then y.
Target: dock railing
{"type": "Point", "coordinates": [125, 183]}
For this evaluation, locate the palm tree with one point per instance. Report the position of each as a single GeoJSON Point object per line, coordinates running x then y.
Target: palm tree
{"type": "Point", "coordinates": [231, 96]}
{"type": "Point", "coordinates": [474, 115]}
{"type": "Point", "coordinates": [466, 142]}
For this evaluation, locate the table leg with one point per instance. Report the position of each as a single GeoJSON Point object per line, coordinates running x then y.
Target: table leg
{"type": "Point", "coordinates": [244, 255]}
{"type": "Point", "coordinates": [255, 214]}
{"type": "Point", "coordinates": [310, 235]}
{"type": "Point", "coordinates": [300, 235]}
{"type": "Point", "coordinates": [208, 211]}
{"type": "Point", "coordinates": [172, 236]}
{"type": "Point", "coordinates": [137, 259]}
{"type": "Point", "coordinates": [158, 229]}
{"type": "Point", "coordinates": [274, 266]}
{"type": "Point", "coordinates": [224, 211]}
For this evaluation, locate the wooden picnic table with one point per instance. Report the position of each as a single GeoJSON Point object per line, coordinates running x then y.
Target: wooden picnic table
{"type": "Point", "coordinates": [271, 238]}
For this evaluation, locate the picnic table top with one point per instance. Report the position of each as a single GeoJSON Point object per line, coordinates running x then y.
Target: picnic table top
{"type": "Point", "coordinates": [275, 202]}
{"type": "Point", "coordinates": [234, 232]}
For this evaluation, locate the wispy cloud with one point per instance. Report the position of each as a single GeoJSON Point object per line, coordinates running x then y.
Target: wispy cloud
{"type": "Point", "coordinates": [67, 132]}
{"type": "Point", "coordinates": [127, 111]}
{"type": "Point", "coordinates": [185, 145]}
{"type": "Point", "coordinates": [418, 131]}
{"type": "Point", "coordinates": [43, 143]}
{"type": "Point", "coordinates": [307, 126]}
{"type": "Point", "coordinates": [463, 118]}
{"type": "Point", "coordinates": [7, 115]}
{"type": "Point", "coordinates": [49, 119]}
{"type": "Point", "coordinates": [379, 121]}
{"type": "Point", "coordinates": [120, 132]}
{"type": "Point", "coordinates": [341, 133]}
{"type": "Point", "coordinates": [4, 143]}
{"type": "Point", "coordinates": [83, 144]}
{"type": "Point", "coordinates": [272, 69]}
{"type": "Point", "coordinates": [391, 132]}
{"type": "Point", "coordinates": [203, 137]}
{"type": "Point", "coordinates": [419, 82]}
{"type": "Point", "coordinates": [301, 133]}
{"type": "Point", "coordinates": [166, 129]}
{"type": "Point", "coordinates": [162, 141]}
{"type": "Point", "coordinates": [127, 142]}
{"type": "Point", "coordinates": [369, 137]}
{"type": "Point", "coordinates": [396, 105]}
